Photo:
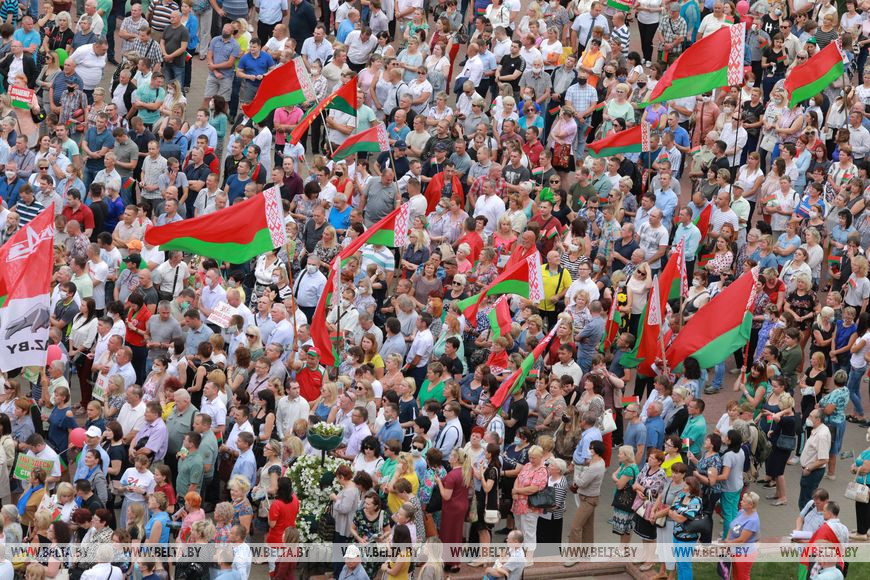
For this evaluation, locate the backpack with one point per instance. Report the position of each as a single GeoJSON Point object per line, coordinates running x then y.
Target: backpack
{"type": "Point", "coordinates": [762, 447]}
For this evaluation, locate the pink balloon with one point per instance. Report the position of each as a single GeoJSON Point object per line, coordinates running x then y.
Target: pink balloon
{"type": "Point", "coordinates": [77, 438]}
{"type": "Point", "coordinates": [54, 353]}
{"type": "Point", "coordinates": [742, 8]}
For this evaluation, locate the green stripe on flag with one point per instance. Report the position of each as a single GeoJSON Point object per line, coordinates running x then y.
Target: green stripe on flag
{"type": "Point", "coordinates": [809, 91]}
{"type": "Point", "coordinates": [724, 345]}
{"type": "Point", "coordinates": [285, 100]}
{"type": "Point", "coordinates": [229, 251]}
{"type": "Point", "coordinates": [692, 85]}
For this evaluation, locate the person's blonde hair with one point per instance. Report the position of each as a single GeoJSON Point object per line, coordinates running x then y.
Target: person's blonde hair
{"type": "Point", "coordinates": [138, 520]}
{"type": "Point", "coordinates": [546, 443]}
{"type": "Point", "coordinates": [329, 393]}
{"type": "Point", "coordinates": [204, 529]}
{"type": "Point", "coordinates": [35, 571]}
{"type": "Point", "coordinates": [536, 450]}
{"type": "Point", "coordinates": [859, 266]}
{"type": "Point", "coordinates": [626, 452]}
{"type": "Point", "coordinates": [42, 519]}
{"type": "Point", "coordinates": [239, 482]}
{"type": "Point", "coordinates": [465, 462]}
{"type": "Point", "coordinates": [295, 446]}
{"type": "Point", "coordinates": [223, 512]}
{"type": "Point", "coordinates": [786, 401]}
{"type": "Point", "coordinates": [752, 497]}
{"type": "Point", "coordinates": [65, 489]}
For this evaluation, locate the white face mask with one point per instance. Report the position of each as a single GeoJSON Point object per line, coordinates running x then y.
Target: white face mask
{"type": "Point", "coordinates": [696, 283]}
{"type": "Point", "coordinates": [10, 174]}
{"type": "Point", "coordinates": [311, 268]}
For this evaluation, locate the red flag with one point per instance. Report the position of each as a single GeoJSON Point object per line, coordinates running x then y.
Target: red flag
{"type": "Point", "coordinates": [703, 221]}
{"type": "Point", "coordinates": [343, 99]}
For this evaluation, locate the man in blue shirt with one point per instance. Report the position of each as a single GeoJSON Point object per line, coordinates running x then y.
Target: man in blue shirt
{"type": "Point", "coordinates": [391, 428]}
{"type": "Point", "coordinates": [236, 183]}
{"type": "Point", "coordinates": [60, 82]}
{"type": "Point", "coordinates": [253, 66]}
{"type": "Point", "coordinates": [97, 142]}
{"type": "Point", "coordinates": [92, 443]}
{"type": "Point", "coordinates": [655, 427]}
{"type": "Point", "coordinates": [223, 51]}
{"type": "Point", "coordinates": [688, 231]}
{"type": "Point", "coordinates": [10, 184]}
{"type": "Point", "coordinates": [666, 199]}
{"type": "Point", "coordinates": [246, 463]}
{"type": "Point", "coordinates": [28, 36]}
{"type": "Point", "coordinates": [581, 453]}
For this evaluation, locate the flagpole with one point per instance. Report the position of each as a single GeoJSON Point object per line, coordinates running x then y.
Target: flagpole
{"type": "Point", "coordinates": [736, 135]}
{"type": "Point", "coordinates": [290, 284]}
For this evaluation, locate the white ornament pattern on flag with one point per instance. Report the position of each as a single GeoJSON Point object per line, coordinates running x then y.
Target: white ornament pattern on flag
{"type": "Point", "coordinates": [645, 144]}
{"type": "Point", "coordinates": [536, 281]}
{"type": "Point", "coordinates": [383, 137]}
{"type": "Point", "coordinates": [304, 80]}
{"type": "Point", "coordinates": [839, 42]}
{"type": "Point", "coordinates": [681, 256]}
{"type": "Point", "coordinates": [736, 54]}
{"type": "Point", "coordinates": [654, 311]}
{"type": "Point", "coordinates": [274, 217]}
{"type": "Point", "coordinates": [400, 235]}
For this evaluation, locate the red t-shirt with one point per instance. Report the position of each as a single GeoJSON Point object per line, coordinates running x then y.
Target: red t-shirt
{"type": "Point", "coordinates": [284, 515]}
{"type": "Point", "coordinates": [474, 241]}
{"type": "Point", "coordinates": [84, 216]}
{"type": "Point", "coordinates": [140, 319]}
{"type": "Point", "coordinates": [310, 382]}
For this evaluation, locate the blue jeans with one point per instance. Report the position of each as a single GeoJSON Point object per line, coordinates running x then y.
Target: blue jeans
{"type": "Point", "coordinates": [854, 384]}
{"type": "Point", "coordinates": [89, 175]}
{"type": "Point", "coordinates": [718, 376]}
{"type": "Point", "coordinates": [580, 141]}
{"type": "Point", "coordinates": [174, 71]}
{"type": "Point", "coordinates": [684, 568]}
{"type": "Point", "coordinates": [809, 483]}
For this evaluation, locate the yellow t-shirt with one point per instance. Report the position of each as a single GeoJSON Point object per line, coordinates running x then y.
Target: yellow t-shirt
{"type": "Point", "coordinates": [551, 281]}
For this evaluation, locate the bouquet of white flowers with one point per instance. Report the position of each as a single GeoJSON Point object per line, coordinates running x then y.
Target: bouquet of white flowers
{"type": "Point", "coordinates": [313, 481]}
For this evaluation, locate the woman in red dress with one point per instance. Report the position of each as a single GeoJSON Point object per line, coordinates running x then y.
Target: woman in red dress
{"type": "Point", "coordinates": [454, 490]}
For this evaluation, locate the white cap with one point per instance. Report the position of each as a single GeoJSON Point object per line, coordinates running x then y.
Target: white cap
{"type": "Point", "coordinates": [352, 552]}
{"type": "Point", "coordinates": [93, 431]}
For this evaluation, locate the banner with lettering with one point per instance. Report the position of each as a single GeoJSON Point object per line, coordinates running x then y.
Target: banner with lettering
{"type": "Point", "coordinates": [27, 463]}
{"type": "Point", "coordinates": [25, 285]}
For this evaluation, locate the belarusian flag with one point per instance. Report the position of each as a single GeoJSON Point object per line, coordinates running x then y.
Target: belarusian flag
{"type": "Point", "coordinates": [234, 234]}
{"type": "Point", "coordinates": [710, 63]}
{"type": "Point", "coordinates": [343, 99]}
{"type": "Point", "coordinates": [626, 401]}
{"type": "Point", "coordinates": [25, 293]}
{"type": "Point", "coordinates": [719, 328]}
{"type": "Point", "coordinates": [811, 77]}
{"type": "Point", "coordinates": [283, 86]}
{"type": "Point", "coordinates": [628, 141]}
{"type": "Point", "coordinates": [500, 321]}
{"type": "Point", "coordinates": [611, 327]}
{"type": "Point", "coordinates": [523, 278]}
{"type": "Point", "coordinates": [391, 231]}
{"type": "Point", "coordinates": [624, 5]}
{"type": "Point", "coordinates": [703, 222]}
{"type": "Point", "coordinates": [665, 286]}
{"type": "Point", "coordinates": [517, 378]}
{"type": "Point", "coordinates": [373, 140]}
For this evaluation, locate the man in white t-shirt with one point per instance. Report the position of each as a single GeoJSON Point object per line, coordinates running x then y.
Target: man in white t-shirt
{"type": "Point", "coordinates": [132, 414]}
{"type": "Point", "coordinates": [38, 448]}
{"type": "Point", "coordinates": [214, 407]}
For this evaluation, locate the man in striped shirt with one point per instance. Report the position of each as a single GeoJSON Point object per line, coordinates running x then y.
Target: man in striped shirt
{"type": "Point", "coordinates": [27, 206]}
{"type": "Point", "coordinates": [160, 13]}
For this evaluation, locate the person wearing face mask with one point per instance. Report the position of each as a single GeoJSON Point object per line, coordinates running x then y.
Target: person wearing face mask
{"type": "Point", "coordinates": [308, 287]}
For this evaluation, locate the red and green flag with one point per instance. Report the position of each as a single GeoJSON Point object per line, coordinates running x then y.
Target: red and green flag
{"type": "Point", "coordinates": [500, 321]}
{"type": "Point", "coordinates": [668, 285]}
{"type": "Point", "coordinates": [611, 327]}
{"type": "Point", "coordinates": [523, 278]}
{"type": "Point", "coordinates": [234, 234]}
{"type": "Point", "coordinates": [814, 75]}
{"type": "Point", "coordinates": [391, 231]}
{"type": "Point", "coordinates": [283, 86]}
{"type": "Point", "coordinates": [703, 221]}
{"type": "Point", "coordinates": [710, 63]}
{"type": "Point", "coordinates": [623, 5]}
{"type": "Point", "coordinates": [517, 379]}
{"type": "Point", "coordinates": [373, 140]}
{"type": "Point", "coordinates": [628, 141]}
{"type": "Point", "coordinates": [719, 328]}
{"type": "Point", "coordinates": [626, 401]}
{"type": "Point", "coordinates": [343, 99]}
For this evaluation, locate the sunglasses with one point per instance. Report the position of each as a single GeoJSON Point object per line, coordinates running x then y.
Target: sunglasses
{"type": "Point", "coordinates": [554, 181]}
{"type": "Point", "coordinates": [250, 335]}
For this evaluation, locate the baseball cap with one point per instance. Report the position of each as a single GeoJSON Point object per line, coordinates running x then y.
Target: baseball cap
{"type": "Point", "coordinates": [133, 258]}
{"type": "Point", "coordinates": [93, 431]}
{"type": "Point", "coordinates": [400, 144]}
{"type": "Point", "coordinates": [352, 552]}
{"type": "Point", "coordinates": [134, 245]}
{"type": "Point", "coordinates": [312, 351]}
{"type": "Point", "coordinates": [441, 146]}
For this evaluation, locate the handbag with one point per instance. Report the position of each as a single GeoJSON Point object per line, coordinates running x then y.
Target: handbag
{"type": "Point", "coordinates": [623, 499]}
{"type": "Point", "coordinates": [491, 516]}
{"type": "Point", "coordinates": [786, 442]}
{"type": "Point", "coordinates": [561, 156]}
{"type": "Point", "coordinates": [544, 499]}
{"type": "Point", "coordinates": [857, 492]}
{"type": "Point", "coordinates": [471, 517]}
{"type": "Point", "coordinates": [608, 423]}
{"type": "Point", "coordinates": [429, 525]}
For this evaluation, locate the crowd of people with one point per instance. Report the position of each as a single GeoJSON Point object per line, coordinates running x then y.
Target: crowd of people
{"type": "Point", "coordinates": [156, 424]}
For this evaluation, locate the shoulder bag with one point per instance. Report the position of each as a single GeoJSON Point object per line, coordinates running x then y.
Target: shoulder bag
{"type": "Point", "coordinates": [608, 423]}
{"type": "Point", "coordinates": [857, 492]}
{"type": "Point", "coordinates": [544, 499]}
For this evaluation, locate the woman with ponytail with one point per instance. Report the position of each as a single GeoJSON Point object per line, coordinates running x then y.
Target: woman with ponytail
{"type": "Point", "coordinates": [454, 490]}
